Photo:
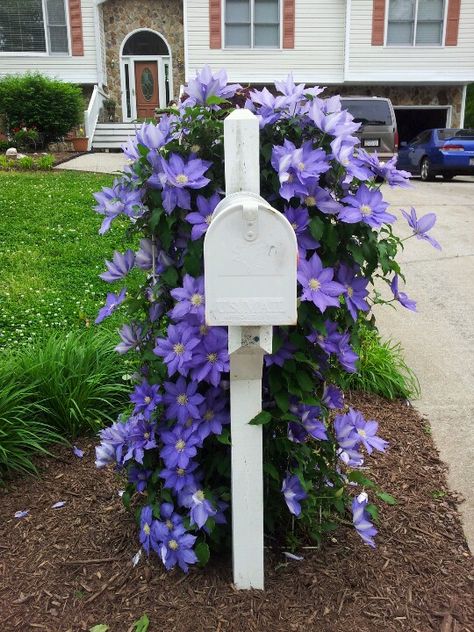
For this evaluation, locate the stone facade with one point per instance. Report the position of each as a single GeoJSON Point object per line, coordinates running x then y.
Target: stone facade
{"type": "Point", "coordinates": [121, 17]}
{"type": "Point", "coordinates": [411, 95]}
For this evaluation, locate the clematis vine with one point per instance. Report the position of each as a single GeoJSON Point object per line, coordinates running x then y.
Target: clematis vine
{"type": "Point", "coordinates": [172, 443]}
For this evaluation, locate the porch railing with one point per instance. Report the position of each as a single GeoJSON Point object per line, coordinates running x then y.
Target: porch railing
{"type": "Point", "coordinates": [91, 115]}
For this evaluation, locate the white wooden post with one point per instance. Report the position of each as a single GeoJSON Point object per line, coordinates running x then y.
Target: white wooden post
{"type": "Point", "coordinates": [242, 173]}
{"type": "Point", "coordinates": [250, 255]}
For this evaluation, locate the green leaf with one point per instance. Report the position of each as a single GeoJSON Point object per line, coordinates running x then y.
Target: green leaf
{"type": "Point", "coordinates": [170, 276]}
{"type": "Point", "coordinates": [358, 477]}
{"type": "Point", "coordinates": [126, 500]}
{"type": "Point", "coordinates": [263, 417]}
{"type": "Point", "coordinates": [373, 511]}
{"type": "Point", "coordinates": [215, 100]}
{"type": "Point", "coordinates": [142, 624]}
{"type": "Point", "coordinates": [387, 498]}
{"type": "Point", "coordinates": [305, 381]}
{"type": "Point", "coordinates": [271, 470]}
{"type": "Point", "coordinates": [101, 627]}
{"type": "Point", "coordinates": [224, 437]}
{"type": "Point", "coordinates": [282, 401]}
{"type": "Point", "coordinates": [202, 553]}
{"type": "Point", "coordinates": [316, 227]}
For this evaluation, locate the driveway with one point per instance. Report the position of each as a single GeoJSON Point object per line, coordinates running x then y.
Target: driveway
{"type": "Point", "coordinates": [439, 339]}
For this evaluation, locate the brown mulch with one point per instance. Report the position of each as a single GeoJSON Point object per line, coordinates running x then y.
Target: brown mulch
{"type": "Point", "coordinates": [69, 569]}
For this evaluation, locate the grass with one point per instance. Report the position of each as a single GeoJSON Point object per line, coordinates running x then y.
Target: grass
{"type": "Point", "coordinates": [51, 254]}
{"type": "Point", "coordinates": [382, 368]}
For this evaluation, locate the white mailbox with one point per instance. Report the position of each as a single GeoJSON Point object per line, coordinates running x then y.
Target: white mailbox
{"type": "Point", "coordinates": [250, 259]}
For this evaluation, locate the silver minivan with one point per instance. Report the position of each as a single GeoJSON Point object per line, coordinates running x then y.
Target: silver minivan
{"type": "Point", "coordinates": [378, 130]}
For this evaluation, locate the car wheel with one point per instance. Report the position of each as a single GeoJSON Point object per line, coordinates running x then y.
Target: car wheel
{"type": "Point", "coordinates": [426, 172]}
{"type": "Point", "coordinates": [448, 176]}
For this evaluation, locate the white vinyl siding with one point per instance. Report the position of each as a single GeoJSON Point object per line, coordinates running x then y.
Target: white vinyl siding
{"type": "Point", "coordinates": [408, 64]}
{"type": "Point", "coordinates": [77, 69]}
{"type": "Point", "coordinates": [318, 56]}
{"type": "Point", "coordinates": [415, 22]}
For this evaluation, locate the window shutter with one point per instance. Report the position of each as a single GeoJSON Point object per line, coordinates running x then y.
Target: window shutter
{"type": "Point", "coordinates": [215, 24]}
{"type": "Point", "coordinates": [288, 23]}
{"type": "Point", "coordinates": [378, 22]}
{"type": "Point", "coordinates": [452, 26]}
{"type": "Point", "coordinates": [75, 24]}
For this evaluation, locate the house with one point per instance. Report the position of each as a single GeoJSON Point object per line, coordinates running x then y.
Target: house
{"type": "Point", "coordinates": [419, 53]}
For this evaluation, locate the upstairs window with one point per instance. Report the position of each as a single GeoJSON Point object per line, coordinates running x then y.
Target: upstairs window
{"type": "Point", "coordinates": [415, 22]}
{"type": "Point", "coordinates": [252, 23]}
{"type": "Point", "coordinates": [33, 26]}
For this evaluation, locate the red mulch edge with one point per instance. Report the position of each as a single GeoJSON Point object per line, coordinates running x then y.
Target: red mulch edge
{"type": "Point", "coordinates": [69, 569]}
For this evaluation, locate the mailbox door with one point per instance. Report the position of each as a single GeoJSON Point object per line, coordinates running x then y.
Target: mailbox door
{"type": "Point", "coordinates": [250, 282]}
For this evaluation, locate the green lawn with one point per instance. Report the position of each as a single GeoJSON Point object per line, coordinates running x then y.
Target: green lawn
{"type": "Point", "coordinates": [51, 253]}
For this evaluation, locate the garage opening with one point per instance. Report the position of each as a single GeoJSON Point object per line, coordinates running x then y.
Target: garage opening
{"type": "Point", "coordinates": [412, 121]}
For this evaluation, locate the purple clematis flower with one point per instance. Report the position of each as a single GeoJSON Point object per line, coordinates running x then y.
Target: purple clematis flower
{"type": "Point", "coordinates": [190, 299]}
{"type": "Point", "coordinates": [361, 519]}
{"type": "Point", "coordinates": [181, 400]}
{"type": "Point", "coordinates": [177, 549]}
{"type": "Point", "coordinates": [214, 413]}
{"type": "Point", "coordinates": [112, 443]}
{"type": "Point", "coordinates": [211, 358]}
{"type": "Point", "coordinates": [330, 119]}
{"type": "Point", "coordinates": [343, 151]}
{"type": "Point", "coordinates": [177, 478]}
{"type": "Point", "coordinates": [139, 477]}
{"type": "Point", "coordinates": [146, 521]}
{"type": "Point", "coordinates": [111, 303]}
{"type": "Point", "coordinates": [346, 434]}
{"type": "Point", "coordinates": [116, 200]}
{"type": "Point", "coordinates": [386, 170]}
{"type": "Point", "coordinates": [298, 167]}
{"type": "Point", "coordinates": [285, 352]}
{"type": "Point", "coordinates": [140, 437]}
{"type": "Point", "coordinates": [146, 398]}
{"type": "Point", "coordinates": [421, 226]}
{"type": "Point", "coordinates": [172, 523]}
{"type": "Point", "coordinates": [333, 397]}
{"type": "Point", "coordinates": [299, 220]}
{"type": "Point", "coordinates": [131, 336]}
{"type": "Point", "coordinates": [182, 175]}
{"type": "Point", "coordinates": [206, 85]}
{"type": "Point", "coordinates": [317, 283]}
{"type": "Point", "coordinates": [401, 297]}
{"type": "Point", "coordinates": [179, 348]}
{"type": "Point", "coordinates": [201, 218]}
{"type": "Point", "coordinates": [194, 498]}
{"type": "Point", "coordinates": [329, 341]}
{"type": "Point", "coordinates": [293, 493]}
{"type": "Point", "coordinates": [366, 206]}
{"type": "Point", "coordinates": [152, 136]}
{"type": "Point", "coordinates": [367, 433]}
{"type": "Point", "coordinates": [346, 355]}
{"type": "Point", "coordinates": [322, 199]}
{"type": "Point", "coordinates": [179, 446]}
{"type": "Point", "coordinates": [350, 457]}
{"type": "Point", "coordinates": [120, 266]}
{"type": "Point", "coordinates": [355, 289]}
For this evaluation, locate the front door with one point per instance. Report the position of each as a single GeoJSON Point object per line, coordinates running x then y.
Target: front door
{"type": "Point", "coordinates": [146, 88]}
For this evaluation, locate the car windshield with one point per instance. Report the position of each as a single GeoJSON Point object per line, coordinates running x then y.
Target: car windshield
{"type": "Point", "coordinates": [443, 134]}
{"type": "Point", "coordinates": [368, 111]}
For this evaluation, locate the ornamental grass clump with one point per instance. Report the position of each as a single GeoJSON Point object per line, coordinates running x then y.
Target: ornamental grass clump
{"type": "Point", "coordinates": [173, 441]}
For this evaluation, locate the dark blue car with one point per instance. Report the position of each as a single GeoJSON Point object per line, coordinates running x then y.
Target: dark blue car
{"type": "Point", "coordinates": [445, 152]}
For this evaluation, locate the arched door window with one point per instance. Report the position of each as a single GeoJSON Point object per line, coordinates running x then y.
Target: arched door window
{"type": "Point", "coordinates": [145, 43]}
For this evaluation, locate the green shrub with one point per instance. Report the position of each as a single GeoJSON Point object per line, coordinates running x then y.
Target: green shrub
{"type": "Point", "coordinates": [49, 105]}
{"type": "Point", "coordinates": [382, 368]}
{"type": "Point", "coordinates": [6, 144]}
{"type": "Point", "coordinates": [45, 162]}
{"type": "Point", "coordinates": [25, 162]}
{"type": "Point", "coordinates": [22, 434]}
{"type": "Point", "coordinates": [75, 379]}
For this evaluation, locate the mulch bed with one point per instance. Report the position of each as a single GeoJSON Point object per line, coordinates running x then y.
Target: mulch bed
{"type": "Point", "coordinates": [69, 569]}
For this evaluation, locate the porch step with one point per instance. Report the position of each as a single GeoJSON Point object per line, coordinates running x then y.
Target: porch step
{"type": "Point", "coordinates": [113, 135]}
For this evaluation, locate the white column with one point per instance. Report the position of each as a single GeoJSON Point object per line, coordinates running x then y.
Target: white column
{"type": "Point", "coordinates": [246, 347]}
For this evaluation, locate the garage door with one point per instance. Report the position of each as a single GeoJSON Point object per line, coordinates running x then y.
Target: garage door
{"type": "Point", "coordinates": [412, 121]}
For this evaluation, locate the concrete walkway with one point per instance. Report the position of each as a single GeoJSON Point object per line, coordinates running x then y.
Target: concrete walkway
{"type": "Point", "coordinates": [100, 162]}
{"type": "Point", "coordinates": [439, 339]}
